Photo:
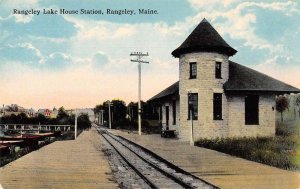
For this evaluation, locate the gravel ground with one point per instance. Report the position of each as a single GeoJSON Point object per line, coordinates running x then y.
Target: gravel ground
{"type": "Point", "coordinates": [123, 174]}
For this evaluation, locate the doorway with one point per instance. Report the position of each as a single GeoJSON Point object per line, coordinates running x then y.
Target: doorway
{"type": "Point", "coordinates": [167, 117]}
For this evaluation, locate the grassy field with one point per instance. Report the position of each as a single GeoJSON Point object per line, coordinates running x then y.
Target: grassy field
{"type": "Point", "coordinates": [279, 151]}
{"type": "Point", "coordinates": [282, 151]}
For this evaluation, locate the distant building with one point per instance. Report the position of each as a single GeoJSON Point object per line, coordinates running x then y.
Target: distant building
{"type": "Point", "coordinates": [30, 112]}
{"type": "Point", "coordinates": [45, 112]}
{"type": "Point", "coordinates": [54, 113]}
{"type": "Point", "coordinates": [12, 109]}
{"type": "Point", "coordinates": [220, 97]}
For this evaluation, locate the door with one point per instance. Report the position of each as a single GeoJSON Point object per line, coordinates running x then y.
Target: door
{"type": "Point", "coordinates": [167, 117]}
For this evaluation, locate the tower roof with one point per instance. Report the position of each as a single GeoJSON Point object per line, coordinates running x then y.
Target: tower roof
{"type": "Point", "coordinates": [204, 38]}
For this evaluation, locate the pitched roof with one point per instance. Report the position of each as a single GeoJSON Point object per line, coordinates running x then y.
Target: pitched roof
{"type": "Point", "coordinates": [242, 78]}
{"type": "Point", "coordinates": [173, 89]}
{"type": "Point", "coordinates": [204, 38]}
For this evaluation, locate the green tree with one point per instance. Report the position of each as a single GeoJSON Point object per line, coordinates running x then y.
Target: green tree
{"type": "Point", "coordinates": [62, 116]}
{"type": "Point", "coordinates": [41, 119]}
{"type": "Point", "coordinates": [83, 122]}
{"type": "Point", "coordinates": [22, 118]}
{"type": "Point", "coordinates": [281, 105]}
{"type": "Point", "coordinates": [62, 113]}
{"type": "Point", "coordinates": [119, 112]}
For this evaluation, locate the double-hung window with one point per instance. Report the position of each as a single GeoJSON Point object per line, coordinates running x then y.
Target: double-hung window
{"type": "Point", "coordinates": [218, 70]}
{"type": "Point", "coordinates": [193, 70]}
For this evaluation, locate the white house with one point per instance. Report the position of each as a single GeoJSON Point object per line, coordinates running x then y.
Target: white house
{"type": "Point", "coordinates": [223, 98]}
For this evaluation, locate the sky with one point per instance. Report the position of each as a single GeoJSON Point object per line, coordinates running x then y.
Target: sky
{"type": "Point", "coordinates": [82, 60]}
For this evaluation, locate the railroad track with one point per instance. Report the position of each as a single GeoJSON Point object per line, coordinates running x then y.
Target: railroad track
{"type": "Point", "coordinates": [155, 171]}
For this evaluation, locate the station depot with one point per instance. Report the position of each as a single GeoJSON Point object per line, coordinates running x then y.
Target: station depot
{"type": "Point", "coordinates": [216, 97]}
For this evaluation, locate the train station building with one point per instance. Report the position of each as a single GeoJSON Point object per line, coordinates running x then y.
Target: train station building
{"type": "Point", "coordinates": [219, 97]}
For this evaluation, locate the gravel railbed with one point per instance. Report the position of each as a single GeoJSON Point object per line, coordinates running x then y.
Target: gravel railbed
{"type": "Point", "coordinates": [125, 176]}
{"type": "Point", "coordinates": [157, 171]}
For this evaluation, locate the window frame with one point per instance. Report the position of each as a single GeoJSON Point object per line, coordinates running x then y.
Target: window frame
{"type": "Point", "coordinates": [218, 71]}
{"type": "Point", "coordinates": [250, 106]}
{"type": "Point", "coordinates": [193, 70]}
{"type": "Point", "coordinates": [217, 106]}
{"type": "Point", "coordinates": [195, 106]}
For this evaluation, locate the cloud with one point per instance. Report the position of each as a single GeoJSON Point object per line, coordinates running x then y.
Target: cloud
{"type": "Point", "coordinates": [86, 59]}
{"type": "Point", "coordinates": [22, 52]}
{"type": "Point", "coordinates": [23, 18]}
{"type": "Point", "coordinates": [287, 72]}
{"type": "Point", "coordinates": [90, 29]}
{"type": "Point", "coordinates": [100, 59]}
{"type": "Point", "coordinates": [54, 26]}
{"type": "Point", "coordinates": [56, 61]}
{"type": "Point", "coordinates": [210, 4]}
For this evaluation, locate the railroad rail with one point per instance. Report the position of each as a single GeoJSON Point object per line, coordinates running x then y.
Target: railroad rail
{"type": "Point", "coordinates": [155, 171]}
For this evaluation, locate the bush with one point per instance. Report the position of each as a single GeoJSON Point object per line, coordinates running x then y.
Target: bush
{"type": "Point", "coordinates": [283, 130]}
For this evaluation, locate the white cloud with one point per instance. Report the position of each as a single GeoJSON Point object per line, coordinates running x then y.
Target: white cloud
{"type": "Point", "coordinates": [288, 72]}
{"type": "Point", "coordinates": [240, 24]}
{"type": "Point", "coordinates": [197, 4]}
{"type": "Point", "coordinates": [108, 45]}
{"type": "Point", "coordinates": [23, 18]}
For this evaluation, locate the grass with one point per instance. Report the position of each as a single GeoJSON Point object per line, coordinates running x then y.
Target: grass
{"type": "Point", "coordinates": [282, 150]}
{"type": "Point", "coordinates": [279, 151]}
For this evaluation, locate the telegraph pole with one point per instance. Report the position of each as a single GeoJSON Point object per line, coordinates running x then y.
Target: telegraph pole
{"type": "Point", "coordinates": [76, 116]}
{"type": "Point", "coordinates": [109, 114]}
{"type": "Point", "coordinates": [102, 117]}
{"type": "Point", "coordinates": [139, 56]}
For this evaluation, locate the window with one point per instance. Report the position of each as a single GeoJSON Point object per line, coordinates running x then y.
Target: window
{"type": "Point", "coordinates": [218, 70]}
{"type": "Point", "coordinates": [193, 70]}
{"type": "Point", "coordinates": [217, 107]}
{"type": "Point", "coordinates": [193, 106]}
{"type": "Point", "coordinates": [251, 110]}
{"type": "Point", "coordinates": [174, 112]}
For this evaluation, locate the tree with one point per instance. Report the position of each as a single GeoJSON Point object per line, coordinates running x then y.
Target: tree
{"type": "Point", "coordinates": [281, 105]}
{"type": "Point", "coordinates": [132, 110]}
{"type": "Point", "coordinates": [62, 116]}
{"type": "Point", "coordinates": [83, 121]}
{"type": "Point", "coordinates": [41, 119]}
{"type": "Point", "coordinates": [119, 111]}
{"type": "Point", "coordinates": [22, 118]}
{"type": "Point", "coordinates": [62, 113]}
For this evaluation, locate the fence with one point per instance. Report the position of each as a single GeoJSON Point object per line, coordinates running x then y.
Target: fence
{"type": "Point", "coordinates": [32, 127]}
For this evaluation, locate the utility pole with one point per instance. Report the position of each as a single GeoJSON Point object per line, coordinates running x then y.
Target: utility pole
{"type": "Point", "coordinates": [191, 109]}
{"type": "Point", "coordinates": [102, 118]}
{"type": "Point", "coordinates": [139, 56]}
{"type": "Point", "coordinates": [76, 116]}
{"type": "Point", "coordinates": [109, 114]}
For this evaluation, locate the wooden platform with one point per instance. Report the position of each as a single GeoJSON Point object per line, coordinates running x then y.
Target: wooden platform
{"type": "Point", "coordinates": [220, 169]}
{"type": "Point", "coordinates": [62, 164]}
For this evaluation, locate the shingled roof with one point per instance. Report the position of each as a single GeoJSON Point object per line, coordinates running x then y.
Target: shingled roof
{"type": "Point", "coordinates": [204, 38]}
{"type": "Point", "coordinates": [173, 89]}
{"type": "Point", "coordinates": [242, 78]}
